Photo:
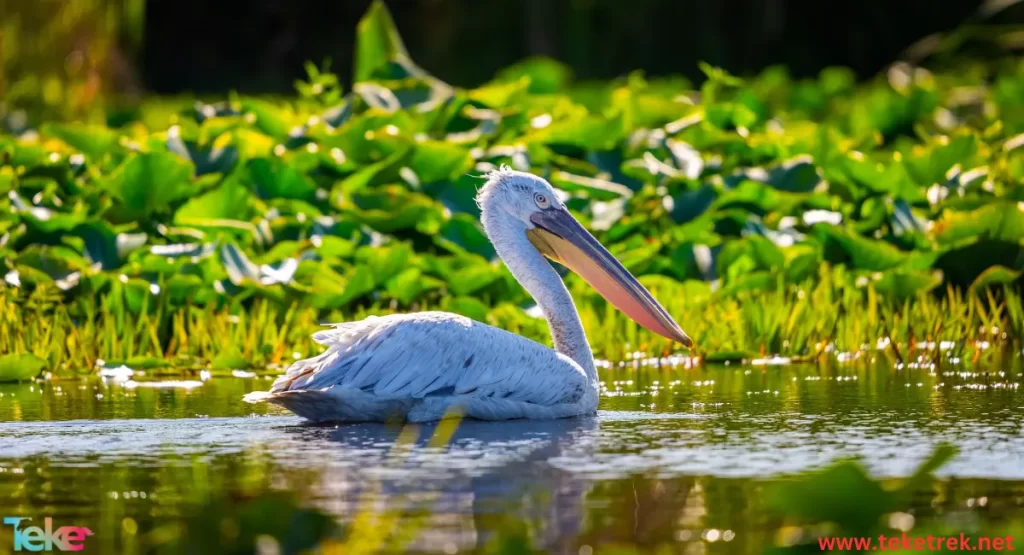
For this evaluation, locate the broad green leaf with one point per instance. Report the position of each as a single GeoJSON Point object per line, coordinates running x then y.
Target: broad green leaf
{"type": "Point", "coordinates": [230, 358]}
{"type": "Point", "coordinates": [466, 233]}
{"type": "Point", "coordinates": [797, 176]}
{"type": "Point", "coordinates": [374, 173]}
{"type": "Point", "coordinates": [501, 94]}
{"type": "Point", "coordinates": [411, 284]}
{"type": "Point", "coordinates": [379, 47]}
{"type": "Point", "coordinates": [995, 275]}
{"type": "Point", "coordinates": [360, 283]}
{"type": "Point", "coordinates": [748, 282]}
{"type": "Point", "coordinates": [385, 262]}
{"type": "Point", "coordinates": [593, 188]}
{"type": "Point", "coordinates": [689, 204]}
{"type": "Point", "coordinates": [393, 208]}
{"type": "Point", "coordinates": [473, 278]}
{"type": "Point", "coordinates": [901, 285]}
{"type": "Point", "coordinates": [269, 118]}
{"type": "Point", "coordinates": [16, 368]}
{"type": "Point", "coordinates": [230, 200]}
{"type": "Point", "coordinates": [590, 132]}
{"type": "Point", "coordinates": [149, 182]}
{"type": "Point", "coordinates": [272, 178]}
{"type": "Point", "coordinates": [864, 253]}
{"type": "Point", "coordinates": [183, 288]}
{"type": "Point", "coordinates": [106, 247]}
{"type": "Point", "coordinates": [434, 161]}
{"type": "Point", "coordinates": [931, 166]}
{"type": "Point", "coordinates": [842, 494]}
{"type": "Point", "coordinates": [547, 76]}
{"type": "Point", "coordinates": [923, 476]}
{"type": "Point", "coordinates": [93, 141]}
{"type": "Point", "coordinates": [469, 307]}
{"type": "Point", "coordinates": [998, 221]}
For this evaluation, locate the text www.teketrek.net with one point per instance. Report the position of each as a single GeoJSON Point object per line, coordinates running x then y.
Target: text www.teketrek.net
{"type": "Point", "coordinates": [919, 543]}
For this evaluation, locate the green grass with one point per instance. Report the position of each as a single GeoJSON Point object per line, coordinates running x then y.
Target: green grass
{"type": "Point", "coordinates": [826, 316]}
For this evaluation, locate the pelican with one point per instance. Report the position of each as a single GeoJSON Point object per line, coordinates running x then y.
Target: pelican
{"type": "Point", "coordinates": [417, 367]}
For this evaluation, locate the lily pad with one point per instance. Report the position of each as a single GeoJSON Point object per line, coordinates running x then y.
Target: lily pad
{"type": "Point", "coordinates": [17, 368]}
{"type": "Point", "coordinates": [149, 182]}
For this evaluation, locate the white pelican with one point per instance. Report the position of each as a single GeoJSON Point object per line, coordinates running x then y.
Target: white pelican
{"type": "Point", "coordinates": [418, 366]}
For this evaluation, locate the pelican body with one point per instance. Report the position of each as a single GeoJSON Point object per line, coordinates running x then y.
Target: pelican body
{"type": "Point", "coordinates": [420, 367]}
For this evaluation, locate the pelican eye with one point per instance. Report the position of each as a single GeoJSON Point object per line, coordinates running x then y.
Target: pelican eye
{"type": "Point", "coordinates": [541, 200]}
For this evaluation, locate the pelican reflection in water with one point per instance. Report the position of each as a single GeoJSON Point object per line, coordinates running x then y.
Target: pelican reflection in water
{"type": "Point", "coordinates": [488, 473]}
{"type": "Point", "coordinates": [421, 365]}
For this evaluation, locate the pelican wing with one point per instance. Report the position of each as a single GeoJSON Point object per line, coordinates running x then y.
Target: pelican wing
{"type": "Point", "coordinates": [414, 356]}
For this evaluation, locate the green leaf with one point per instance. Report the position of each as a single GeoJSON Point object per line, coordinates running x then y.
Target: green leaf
{"type": "Point", "coordinates": [58, 263]}
{"type": "Point", "coordinates": [748, 282]}
{"type": "Point", "coordinates": [923, 475]}
{"type": "Point", "coordinates": [501, 94]}
{"type": "Point", "coordinates": [593, 188]}
{"type": "Point", "coordinates": [270, 119]}
{"type": "Point", "coordinates": [843, 494]}
{"type": "Point", "coordinates": [469, 307]}
{"type": "Point", "coordinates": [931, 167]}
{"type": "Point", "coordinates": [360, 283]}
{"type": "Point", "coordinates": [803, 266]}
{"type": "Point", "coordinates": [466, 234]}
{"type": "Point", "coordinates": [92, 140]}
{"type": "Point", "coordinates": [864, 253]}
{"type": "Point", "coordinates": [690, 204]}
{"type": "Point", "coordinates": [998, 221]}
{"type": "Point", "coordinates": [411, 284]}
{"type": "Point", "coordinates": [376, 172]}
{"type": "Point", "coordinates": [183, 288]}
{"type": "Point", "coordinates": [995, 275]}
{"type": "Point", "coordinates": [546, 76]}
{"type": "Point", "coordinates": [901, 285]}
{"type": "Point", "coordinates": [228, 201]}
{"type": "Point", "coordinates": [229, 358]}
{"type": "Point", "coordinates": [434, 161]}
{"type": "Point", "coordinates": [378, 44]}
{"type": "Point", "coordinates": [149, 182]}
{"type": "Point", "coordinates": [754, 252]}
{"type": "Point", "coordinates": [589, 132]}
{"type": "Point", "coordinates": [272, 178]}
{"type": "Point", "coordinates": [136, 291]}
{"type": "Point", "coordinates": [797, 176]}
{"type": "Point", "coordinates": [472, 278]}
{"type": "Point", "coordinates": [393, 208]}
{"type": "Point", "coordinates": [16, 368]}
{"type": "Point", "coordinates": [106, 247]}
{"type": "Point", "coordinates": [331, 246]}
{"type": "Point", "coordinates": [385, 262]}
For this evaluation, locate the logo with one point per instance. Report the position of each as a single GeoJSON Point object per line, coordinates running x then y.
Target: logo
{"type": "Point", "coordinates": [34, 538]}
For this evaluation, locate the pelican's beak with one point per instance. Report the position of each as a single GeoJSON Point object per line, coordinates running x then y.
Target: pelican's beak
{"type": "Point", "coordinates": [561, 238]}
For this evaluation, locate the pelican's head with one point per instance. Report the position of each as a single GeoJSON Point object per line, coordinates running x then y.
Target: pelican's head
{"type": "Point", "coordinates": [557, 235]}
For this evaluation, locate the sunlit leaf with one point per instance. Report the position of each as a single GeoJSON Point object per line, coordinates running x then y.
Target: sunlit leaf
{"type": "Point", "coordinates": [15, 367]}
{"type": "Point", "coordinates": [149, 182]}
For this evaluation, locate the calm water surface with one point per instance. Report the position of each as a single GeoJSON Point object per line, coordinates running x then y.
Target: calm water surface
{"type": "Point", "coordinates": [672, 454]}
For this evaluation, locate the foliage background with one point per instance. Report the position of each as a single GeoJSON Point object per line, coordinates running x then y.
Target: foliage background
{"type": "Point", "coordinates": [775, 212]}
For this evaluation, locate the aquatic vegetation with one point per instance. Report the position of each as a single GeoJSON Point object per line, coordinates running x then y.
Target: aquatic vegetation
{"type": "Point", "coordinates": [770, 214]}
{"type": "Point", "coordinates": [74, 337]}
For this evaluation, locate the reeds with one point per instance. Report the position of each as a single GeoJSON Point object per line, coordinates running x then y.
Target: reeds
{"type": "Point", "coordinates": [262, 333]}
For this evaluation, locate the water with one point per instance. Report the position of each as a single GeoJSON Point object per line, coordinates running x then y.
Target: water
{"type": "Point", "coordinates": [675, 456]}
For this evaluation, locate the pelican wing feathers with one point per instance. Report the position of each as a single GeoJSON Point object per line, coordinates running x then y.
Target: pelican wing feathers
{"type": "Point", "coordinates": [424, 362]}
